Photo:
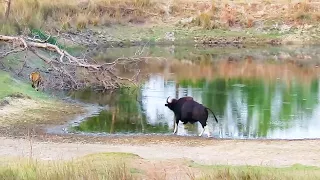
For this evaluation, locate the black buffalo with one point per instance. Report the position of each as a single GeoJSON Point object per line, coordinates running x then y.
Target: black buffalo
{"type": "Point", "coordinates": [186, 109]}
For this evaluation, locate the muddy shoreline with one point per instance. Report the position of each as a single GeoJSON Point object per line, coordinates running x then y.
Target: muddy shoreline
{"type": "Point", "coordinates": [91, 40]}
{"type": "Point", "coordinates": [56, 133]}
{"type": "Point", "coordinates": [110, 37]}
{"type": "Point", "coordinates": [17, 139]}
{"type": "Point", "coordinates": [56, 130]}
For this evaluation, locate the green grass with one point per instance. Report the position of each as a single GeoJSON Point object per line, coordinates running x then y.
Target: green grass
{"type": "Point", "coordinates": [24, 105]}
{"type": "Point", "coordinates": [296, 171]}
{"type": "Point", "coordinates": [10, 85]}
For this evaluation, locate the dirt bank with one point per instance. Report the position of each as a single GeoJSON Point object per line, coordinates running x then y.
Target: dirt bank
{"type": "Point", "coordinates": [275, 153]}
{"type": "Point", "coordinates": [25, 110]}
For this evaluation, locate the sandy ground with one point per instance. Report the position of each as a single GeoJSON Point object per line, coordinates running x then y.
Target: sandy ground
{"type": "Point", "coordinates": [270, 153]}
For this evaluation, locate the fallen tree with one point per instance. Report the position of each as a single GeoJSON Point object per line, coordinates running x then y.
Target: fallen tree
{"type": "Point", "coordinates": [68, 72]}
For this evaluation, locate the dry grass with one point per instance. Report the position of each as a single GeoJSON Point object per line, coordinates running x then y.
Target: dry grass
{"type": "Point", "coordinates": [245, 15]}
{"type": "Point", "coordinates": [125, 166]}
{"type": "Point", "coordinates": [62, 14]}
{"type": "Point", "coordinates": [229, 173]}
{"type": "Point", "coordinates": [87, 168]}
{"type": "Point", "coordinates": [204, 20]}
{"type": "Point", "coordinates": [295, 172]}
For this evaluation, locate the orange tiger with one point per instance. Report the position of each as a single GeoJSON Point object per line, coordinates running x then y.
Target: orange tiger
{"type": "Point", "coordinates": [36, 79]}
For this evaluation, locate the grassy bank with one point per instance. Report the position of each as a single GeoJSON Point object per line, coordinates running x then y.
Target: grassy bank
{"type": "Point", "coordinates": [10, 86]}
{"type": "Point", "coordinates": [130, 166]}
{"type": "Point", "coordinates": [151, 20]}
{"type": "Point", "coordinates": [21, 104]}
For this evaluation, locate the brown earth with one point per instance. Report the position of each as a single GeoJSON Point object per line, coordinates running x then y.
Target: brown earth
{"type": "Point", "coordinates": [276, 153]}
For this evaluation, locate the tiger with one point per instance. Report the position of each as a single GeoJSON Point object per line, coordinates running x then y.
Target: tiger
{"type": "Point", "coordinates": [36, 80]}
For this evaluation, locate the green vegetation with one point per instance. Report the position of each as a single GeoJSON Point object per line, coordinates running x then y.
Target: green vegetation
{"type": "Point", "coordinates": [258, 97]}
{"type": "Point", "coordinates": [124, 115]}
{"type": "Point", "coordinates": [10, 86]}
{"type": "Point", "coordinates": [297, 95]}
{"type": "Point", "coordinates": [25, 105]}
{"type": "Point", "coordinates": [39, 34]}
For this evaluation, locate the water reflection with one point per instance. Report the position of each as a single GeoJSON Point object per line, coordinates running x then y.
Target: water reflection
{"type": "Point", "coordinates": [124, 114]}
{"type": "Point", "coordinates": [251, 99]}
{"type": "Point", "coordinates": [244, 108]}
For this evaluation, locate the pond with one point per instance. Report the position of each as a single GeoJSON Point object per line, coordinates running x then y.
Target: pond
{"type": "Point", "coordinates": [255, 92]}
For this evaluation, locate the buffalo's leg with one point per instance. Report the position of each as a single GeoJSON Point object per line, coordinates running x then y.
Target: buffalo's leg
{"type": "Point", "coordinates": [204, 125]}
{"type": "Point", "coordinates": [203, 128]}
{"type": "Point", "coordinates": [175, 128]}
{"type": "Point", "coordinates": [176, 124]}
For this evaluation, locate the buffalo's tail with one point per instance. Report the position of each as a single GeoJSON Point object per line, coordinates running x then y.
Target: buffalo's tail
{"type": "Point", "coordinates": [213, 114]}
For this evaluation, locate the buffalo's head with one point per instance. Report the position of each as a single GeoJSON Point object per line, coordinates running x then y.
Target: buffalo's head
{"type": "Point", "coordinates": [170, 103]}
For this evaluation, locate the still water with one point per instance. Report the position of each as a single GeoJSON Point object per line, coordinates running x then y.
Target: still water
{"type": "Point", "coordinates": [255, 93]}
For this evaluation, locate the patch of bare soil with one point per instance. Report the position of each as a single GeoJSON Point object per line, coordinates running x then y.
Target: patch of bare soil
{"type": "Point", "coordinates": [224, 152]}
{"type": "Point", "coordinates": [20, 114]}
{"type": "Point", "coordinates": [13, 110]}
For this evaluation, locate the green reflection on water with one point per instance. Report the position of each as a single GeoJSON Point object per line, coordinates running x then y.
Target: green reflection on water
{"type": "Point", "coordinates": [245, 107]}
{"type": "Point", "coordinates": [255, 107]}
{"type": "Point", "coordinates": [257, 95]}
{"type": "Point", "coordinates": [124, 115]}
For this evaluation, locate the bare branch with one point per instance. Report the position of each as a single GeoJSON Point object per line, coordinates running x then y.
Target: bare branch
{"type": "Point", "coordinates": [10, 52]}
{"type": "Point", "coordinates": [38, 40]}
{"type": "Point", "coordinates": [70, 72]}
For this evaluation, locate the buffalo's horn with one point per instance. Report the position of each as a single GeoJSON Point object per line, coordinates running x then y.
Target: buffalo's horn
{"type": "Point", "coordinates": [168, 100]}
